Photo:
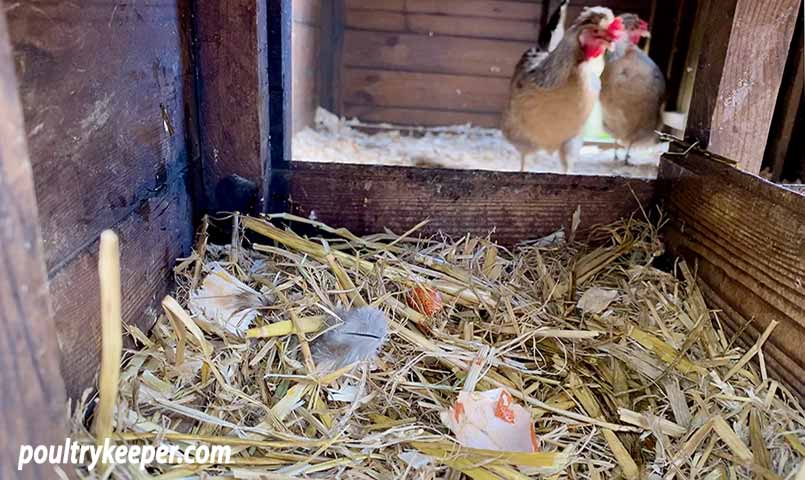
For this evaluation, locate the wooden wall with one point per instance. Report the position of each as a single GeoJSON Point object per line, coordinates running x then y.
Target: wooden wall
{"type": "Point", "coordinates": [437, 62]}
{"type": "Point", "coordinates": [106, 103]}
{"type": "Point", "coordinates": [746, 239]}
{"type": "Point", "coordinates": [306, 34]}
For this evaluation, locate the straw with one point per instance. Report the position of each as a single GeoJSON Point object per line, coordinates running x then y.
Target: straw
{"type": "Point", "coordinates": [111, 334]}
{"type": "Point", "coordinates": [646, 385]}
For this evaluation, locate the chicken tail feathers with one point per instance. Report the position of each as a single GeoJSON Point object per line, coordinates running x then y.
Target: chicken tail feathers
{"type": "Point", "coordinates": [554, 30]}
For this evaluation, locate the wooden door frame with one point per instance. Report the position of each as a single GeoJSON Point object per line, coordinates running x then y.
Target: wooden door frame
{"type": "Point", "coordinates": [33, 399]}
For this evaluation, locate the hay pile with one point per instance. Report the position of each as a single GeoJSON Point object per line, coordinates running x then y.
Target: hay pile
{"type": "Point", "coordinates": [626, 371]}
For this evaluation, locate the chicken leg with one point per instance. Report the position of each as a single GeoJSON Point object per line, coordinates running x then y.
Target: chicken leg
{"type": "Point", "coordinates": [628, 153]}
{"type": "Point", "coordinates": [569, 153]}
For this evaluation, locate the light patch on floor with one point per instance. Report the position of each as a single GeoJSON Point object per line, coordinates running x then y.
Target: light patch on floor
{"type": "Point", "coordinates": [462, 147]}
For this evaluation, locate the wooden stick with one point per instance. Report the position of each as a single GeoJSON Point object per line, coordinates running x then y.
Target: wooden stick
{"type": "Point", "coordinates": [112, 334]}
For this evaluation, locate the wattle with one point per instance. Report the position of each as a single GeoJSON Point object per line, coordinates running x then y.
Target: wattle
{"type": "Point", "coordinates": [593, 51]}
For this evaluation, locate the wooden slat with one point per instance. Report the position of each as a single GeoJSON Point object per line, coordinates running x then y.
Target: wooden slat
{"type": "Point", "coordinates": [385, 5]}
{"type": "Point", "coordinates": [234, 92]}
{"type": "Point", "coordinates": [748, 238]}
{"type": "Point", "coordinates": [330, 56]}
{"type": "Point", "coordinates": [305, 74]}
{"type": "Point", "coordinates": [788, 107]}
{"type": "Point", "coordinates": [734, 118]}
{"type": "Point", "coordinates": [367, 199]}
{"type": "Point", "coordinates": [152, 238]}
{"type": "Point", "coordinates": [426, 24]}
{"type": "Point", "coordinates": [99, 84]}
{"type": "Point", "coordinates": [418, 53]}
{"type": "Point", "coordinates": [469, 8]}
{"type": "Point", "coordinates": [420, 117]}
{"type": "Point", "coordinates": [32, 400]}
{"type": "Point", "coordinates": [425, 90]}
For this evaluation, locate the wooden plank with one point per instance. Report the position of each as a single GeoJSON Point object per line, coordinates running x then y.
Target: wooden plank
{"type": "Point", "coordinates": [788, 107]}
{"type": "Point", "coordinates": [748, 238]}
{"type": "Point", "coordinates": [104, 89]}
{"type": "Point", "coordinates": [152, 238]}
{"type": "Point", "coordinates": [232, 57]}
{"type": "Point", "coordinates": [426, 24]}
{"type": "Point", "coordinates": [528, 11]}
{"type": "Point", "coordinates": [425, 91]}
{"type": "Point", "coordinates": [420, 117]}
{"type": "Point", "coordinates": [305, 41]}
{"type": "Point", "coordinates": [733, 119]}
{"type": "Point", "coordinates": [32, 397]}
{"type": "Point", "coordinates": [418, 53]}
{"type": "Point", "coordinates": [385, 5]}
{"type": "Point", "coordinates": [367, 199]}
{"type": "Point", "coordinates": [331, 55]}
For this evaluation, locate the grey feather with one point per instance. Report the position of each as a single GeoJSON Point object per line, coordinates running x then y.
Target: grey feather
{"type": "Point", "coordinates": [357, 339]}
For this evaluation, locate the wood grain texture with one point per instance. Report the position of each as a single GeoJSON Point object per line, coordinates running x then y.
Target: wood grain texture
{"type": "Point", "coordinates": [104, 94]}
{"type": "Point", "coordinates": [32, 399]}
{"type": "Point", "coordinates": [471, 8]}
{"type": "Point", "coordinates": [515, 207]}
{"type": "Point", "coordinates": [152, 238]}
{"type": "Point", "coordinates": [788, 107]}
{"type": "Point", "coordinates": [734, 118]}
{"type": "Point", "coordinates": [232, 56]}
{"type": "Point", "coordinates": [477, 40]}
{"type": "Point", "coordinates": [425, 90]}
{"type": "Point", "coordinates": [429, 24]}
{"type": "Point", "coordinates": [420, 116]}
{"type": "Point", "coordinates": [748, 238]}
{"type": "Point", "coordinates": [418, 53]}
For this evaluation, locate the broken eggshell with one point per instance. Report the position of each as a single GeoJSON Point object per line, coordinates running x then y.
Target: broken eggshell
{"type": "Point", "coordinates": [491, 421]}
{"type": "Point", "coordinates": [224, 300]}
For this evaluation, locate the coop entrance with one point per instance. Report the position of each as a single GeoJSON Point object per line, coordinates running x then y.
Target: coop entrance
{"type": "Point", "coordinates": [425, 84]}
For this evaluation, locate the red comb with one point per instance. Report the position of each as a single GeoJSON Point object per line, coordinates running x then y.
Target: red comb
{"type": "Point", "coordinates": [615, 28]}
{"type": "Point", "coordinates": [643, 25]}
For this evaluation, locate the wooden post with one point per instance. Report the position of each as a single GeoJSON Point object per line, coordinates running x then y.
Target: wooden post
{"type": "Point", "coordinates": [739, 73]}
{"type": "Point", "coordinates": [275, 187]}
{"type": "Point", "coordinates": [32, 399]}
{"type": "Point", "coordinates": [233, 81]}
{"type": "Point", "coordinates": [330, 49]}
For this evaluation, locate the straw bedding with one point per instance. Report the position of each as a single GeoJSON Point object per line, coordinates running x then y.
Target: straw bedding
{"type": "Point", "coordinates": [625, 370]}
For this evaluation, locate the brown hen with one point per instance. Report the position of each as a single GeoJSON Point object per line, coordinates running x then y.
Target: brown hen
{"type": "Point", "coordinates": [552, 93]}
{"type": "Point", "coordinates": [632, 89]}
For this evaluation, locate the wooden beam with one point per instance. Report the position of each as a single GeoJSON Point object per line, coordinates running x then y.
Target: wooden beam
{"type": "Point", "coordinates": [788, 107]}
{"type": "Point", "coordinates": [32, 400]}
{"type": "Point", "coordinates": [739, 73]}
{"type": "Point", "coordinates": [513, 206]}
{"type": "Point", "coordinates": [746, 238]}
{"type": "Point", "coordinates": [331, 47]}
{"type": "Point", "coordinates": [275, 191]}
{"type": "Point", "coordinates": [233, 99]}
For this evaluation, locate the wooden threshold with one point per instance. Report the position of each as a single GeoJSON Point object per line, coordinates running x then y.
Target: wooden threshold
{"type": "Point", "coordinates": [513, 206]}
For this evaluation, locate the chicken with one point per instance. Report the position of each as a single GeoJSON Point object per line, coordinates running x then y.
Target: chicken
{"type": "Point", "coordinates": [552, 93]}
{"type": "Point", "coordinates": [632, 90]}
{"type": "Point", "coordinates": [554, 31]}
